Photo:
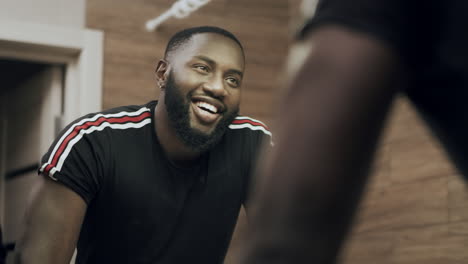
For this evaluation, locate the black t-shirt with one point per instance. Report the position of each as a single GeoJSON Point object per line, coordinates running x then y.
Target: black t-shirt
{"type": "Point", "coordinates": [431, 38]}
{"type": "Point", "coordinates": [141, 207]}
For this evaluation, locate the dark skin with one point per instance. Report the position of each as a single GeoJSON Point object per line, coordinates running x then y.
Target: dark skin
{"type": "Point", "coordinates": [52, 225]}
{"type": "Point", "coordinates": [207, 63]}
{"type": "Point", "coordinates": [311, 183]}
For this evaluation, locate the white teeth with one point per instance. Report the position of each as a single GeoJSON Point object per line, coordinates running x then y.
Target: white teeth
{"type": "Point", "coordinates": [208, 106]}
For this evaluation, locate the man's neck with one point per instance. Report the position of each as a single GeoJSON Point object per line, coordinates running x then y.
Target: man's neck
{"type": "Point", "coordinates": [172, 145]}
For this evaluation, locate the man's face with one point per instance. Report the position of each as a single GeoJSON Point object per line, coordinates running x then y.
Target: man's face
{"type": "Point", "coordinates": [202, 93]}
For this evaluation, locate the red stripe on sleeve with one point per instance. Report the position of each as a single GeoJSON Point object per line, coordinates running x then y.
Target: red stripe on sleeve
{"type": "Point", "coordinates": [98, 122]}
{"type": "Point", "coordinates": [245, 121]}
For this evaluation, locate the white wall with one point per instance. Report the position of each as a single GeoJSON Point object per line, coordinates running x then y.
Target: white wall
{"type": "Point", "coordinates": [66, 13]}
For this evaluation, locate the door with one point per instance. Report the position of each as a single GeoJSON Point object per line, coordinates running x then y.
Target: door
{"type": "Point", "coordinates": [31, 105]}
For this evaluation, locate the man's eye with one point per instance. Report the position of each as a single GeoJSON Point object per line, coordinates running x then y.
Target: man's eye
{"type": "Point", "coordinates": [233, 81]}
{"type": "Point", "coordinates": [202, 68]}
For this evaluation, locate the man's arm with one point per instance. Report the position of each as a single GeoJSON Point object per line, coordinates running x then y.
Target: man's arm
{"type": "Point", "coordinates": [53, 225]}
{"type": "Point", "coordinates": [330, 118]}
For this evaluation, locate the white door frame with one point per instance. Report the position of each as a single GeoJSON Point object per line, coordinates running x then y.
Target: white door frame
{"type": "Point", "coordinates": [81, 50]}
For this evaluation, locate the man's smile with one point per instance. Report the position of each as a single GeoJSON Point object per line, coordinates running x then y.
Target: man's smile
{"type": "Point", "coordinates": [207, 110]}
{"type": "Point", "coordinates": [206, 113]}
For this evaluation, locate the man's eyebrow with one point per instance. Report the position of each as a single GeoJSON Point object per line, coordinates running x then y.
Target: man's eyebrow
{"type": "Point", "coordinates": [212, 62]}
{"type": "Point", "coordinates": [241, 74]}
{"type": "Point", "coordinates": [206, 59]}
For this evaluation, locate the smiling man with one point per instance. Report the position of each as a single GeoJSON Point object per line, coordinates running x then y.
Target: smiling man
{"type": "Point", "coordinates": [157, 183]}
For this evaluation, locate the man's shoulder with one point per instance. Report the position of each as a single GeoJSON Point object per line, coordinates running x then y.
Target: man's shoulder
{"type": "Point", "coordinates": [126, 109]}
{"type": "Point", "coordinates": [116, 115]}
{"type": "Point", "coordinates": [248, 125]}
{"type": "Point", "coordinates": [92, 133]}
{"type": "Point", "coordinates": [113, 119]}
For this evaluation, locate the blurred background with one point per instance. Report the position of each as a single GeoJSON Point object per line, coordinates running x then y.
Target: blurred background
{"type": "Point", "coordinates": [60, 59]}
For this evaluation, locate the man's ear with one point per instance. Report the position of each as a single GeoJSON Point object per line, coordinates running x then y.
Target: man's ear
{"type": "Point", "coordinates": [162, 72]}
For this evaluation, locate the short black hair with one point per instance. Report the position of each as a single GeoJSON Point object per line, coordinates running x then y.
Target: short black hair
{"type": "Point", "coordinates": [183, 36]}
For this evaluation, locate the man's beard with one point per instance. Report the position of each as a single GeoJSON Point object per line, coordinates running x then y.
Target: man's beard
{"type": "Point", "coordinates": [178, 111]}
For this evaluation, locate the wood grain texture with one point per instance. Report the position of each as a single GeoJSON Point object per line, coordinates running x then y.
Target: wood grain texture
{"type": "Point", "coordinates": [415, 210]}
{"type": "Point", "coordinates": [458, 199]}
{"type": "Point", "coordinates": [131, 53]}
{"type": "Point", "coordinates": [434, 244]}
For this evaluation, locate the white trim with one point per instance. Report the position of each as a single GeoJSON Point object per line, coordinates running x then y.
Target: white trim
{"type": "Point", "coordinates": [93, 118]}
{"type": "Point", "coordinates": [251, 119]}
{"type": "Point", "coordinates": [250, 126]}
{"type": "Point", "coordinates": [34, 33]}
{"type": "Point", "coordinates": [90, 130]}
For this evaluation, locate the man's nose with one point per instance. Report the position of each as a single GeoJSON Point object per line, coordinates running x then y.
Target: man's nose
{"type": "Point", "coordinates": [215, 87]}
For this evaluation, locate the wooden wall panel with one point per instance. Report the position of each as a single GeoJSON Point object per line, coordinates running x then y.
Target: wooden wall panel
{"type": "Point", "coordinates": [131, 53]}
{"type": "Point", "coordinates": [415, 210]}
{"type": "Point", "coordinates": [458, 199]}
{"type": "Point", "coordinates": [435, 244]}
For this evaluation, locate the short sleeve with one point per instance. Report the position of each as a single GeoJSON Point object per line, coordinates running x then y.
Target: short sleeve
{"type": "Point", "coordinates": [76, 159]}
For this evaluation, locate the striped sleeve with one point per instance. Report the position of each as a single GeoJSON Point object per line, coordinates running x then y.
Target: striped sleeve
{"type": "Point", "coordinates": [255, 134]}
{"type": "Point", "coordinates": [79, 156]}
{"type": "Point", "coordinates": [244, 122]}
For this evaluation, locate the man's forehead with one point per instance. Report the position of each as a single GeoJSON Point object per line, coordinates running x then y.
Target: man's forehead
{"type": "Point", "coordinates": [214, 46]}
